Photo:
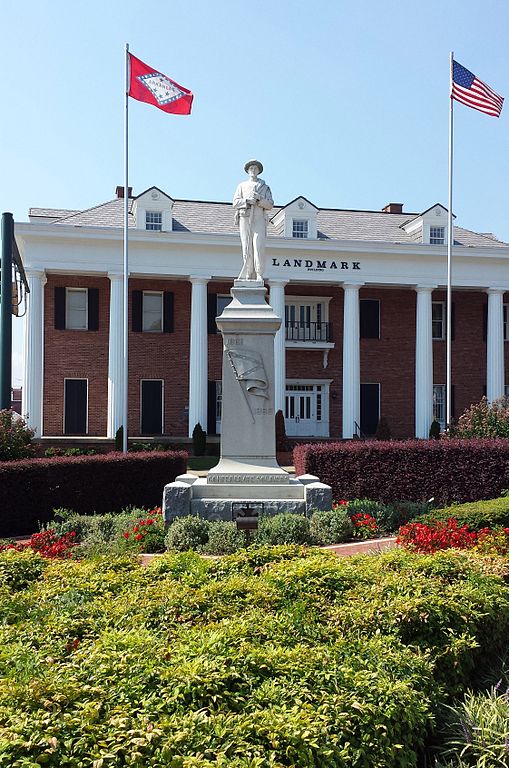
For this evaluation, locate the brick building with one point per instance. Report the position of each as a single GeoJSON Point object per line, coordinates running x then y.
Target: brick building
{"type": "Point", "coordinates": [362, 294]}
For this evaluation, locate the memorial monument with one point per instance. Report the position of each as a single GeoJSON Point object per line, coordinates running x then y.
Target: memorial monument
{"type": "Point", "coordinates": [247, 475]}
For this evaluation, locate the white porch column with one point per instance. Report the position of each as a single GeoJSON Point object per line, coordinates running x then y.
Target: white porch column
{"type": "Point", "coordinates": [115, 354]}
{"type": "Point", "coordinates": [198, 355]}
{"type": "Point", "coordinates": [351, 360]}
{"type": "Point", "coordinates": [423, 362]}
{"type": "Point", "coordinates": [33, 377]}
{"type": "Point", "coordinates": [277, 302]}
{"type": "Point", "coordinates": [495, 374]}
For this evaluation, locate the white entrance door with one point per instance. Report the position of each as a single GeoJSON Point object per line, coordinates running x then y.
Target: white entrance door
{"type": "Point", "coordinates": [304, 411]}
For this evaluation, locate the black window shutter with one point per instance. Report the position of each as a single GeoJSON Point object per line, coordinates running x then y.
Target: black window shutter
{"type": "Point", "coordinates": [137, 310]}
{"type": "Point", "coordinates": [60, 309]}
{"type": "Point", "coordinates": [211, 313]}
{"type": "Point", "coordinates": [453, 320]}
{"type": "Point", "coordinates": [93, 309]}
{"type": "Point", "coordinates": [75, 414]}
{"type": "Point", "coordinates": [369, 319]}
{"type": "Point", "coordinates": [168, 322]}
{"type": "Point", "coordinates": [211, 408]}
{"type": "Point", "coordinates": [485, 322]}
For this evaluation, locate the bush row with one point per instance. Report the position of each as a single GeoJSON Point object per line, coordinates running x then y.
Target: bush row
{"type": "Point", "coordinates": [447, 470]}
{"type": "Point", "coordinates": [476, 515]}
{"type": "Point", "coordinates": [271, 657]}
{"type": "Point", "coordinates": [32, 488]}
{"type": "Point", "coordinates": [222, 538]}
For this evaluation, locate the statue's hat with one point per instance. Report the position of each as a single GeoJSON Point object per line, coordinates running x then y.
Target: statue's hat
{"type": "Point", "coordinates": [253, 162]}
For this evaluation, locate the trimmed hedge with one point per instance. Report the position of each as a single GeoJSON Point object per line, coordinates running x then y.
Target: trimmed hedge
{"type": "Point", "coordinates": [415, 470]}
{"type": "Point", "coordinates": [476, 515]}
{"type": "Point", "coordinates": [273, 657]}
{"type": "Point", "coordinates": [32, 488]}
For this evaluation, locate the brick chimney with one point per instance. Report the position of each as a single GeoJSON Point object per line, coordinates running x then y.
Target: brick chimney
{"type": "Point", "coordinates": [393, 208]}
{"type": "Point", "coordinates": [120, 192]}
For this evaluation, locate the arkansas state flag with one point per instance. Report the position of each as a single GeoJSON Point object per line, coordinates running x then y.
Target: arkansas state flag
{"type": "Point", "coordinates": [149, 85]}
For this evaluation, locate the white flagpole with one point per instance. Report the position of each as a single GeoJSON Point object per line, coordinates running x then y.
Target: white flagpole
{"type": "Point", "coordinates": [125, 408]}
{"type": "Point", "coordinates": [450, 239]}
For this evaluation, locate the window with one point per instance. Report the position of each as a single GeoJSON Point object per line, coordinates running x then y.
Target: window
{"type": "Point", "coordinates": [153, 311]}
{"type": "Point", "coordinates": [306, 319]}
{"type": "Point", "coordinates": [439, 405]}
{"type": "Point", "coordinates": [76, 309]}
{"type": "Point", "coordinates": [369, 318]}
{"type": "Point", "coordinates": [438, 320]}
{"type": "Point", "coordinates": [437, 235]}
{"type": "Point", "coordinates": [75, 406]}
{"type": "Point", "coordinates": [300, 228]}
{"type": "Point", "coordinates": [221, 303]}
{"type": "Point", "coordinates": [154, 220]}
{"type": "Point", "coordinates": [506, 390]}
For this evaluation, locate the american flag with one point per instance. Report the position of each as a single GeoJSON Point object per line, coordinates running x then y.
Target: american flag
{"type": "Point", "coordinates": [471, 91]}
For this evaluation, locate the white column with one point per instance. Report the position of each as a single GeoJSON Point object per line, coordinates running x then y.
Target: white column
{"type": "Point", "coordinates": [495, 374]}
{"type": "Point", "coordinates": [198, 355]}
{"type": "Point", "coordinates": [351, 360]}
{"type": "Point", "coordinates": [115, 354]}
{"type": "Point", "coordinates": [423, 362]}
{"type": "Point", "coordinates": [33, 377]}
{"type": "Point", "coordinates": [277, 302]}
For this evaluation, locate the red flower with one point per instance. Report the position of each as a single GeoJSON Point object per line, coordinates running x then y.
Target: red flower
{"type": "Point", "coordinates": [126, 535]}
{"type": "Point", "coordinates": [138, 537]}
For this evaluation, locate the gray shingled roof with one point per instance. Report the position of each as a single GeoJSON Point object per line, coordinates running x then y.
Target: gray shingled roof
{"type": "Point", "coordinates": [50, 213]}
{"type": "Point", "coordinates": [217, 218]}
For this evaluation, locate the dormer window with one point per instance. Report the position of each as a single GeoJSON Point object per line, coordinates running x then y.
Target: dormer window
{"type": "Point", "coordinates": [437, 235]}
{"type": "Point", "coordinates": [154, 220]}
{"type": "Point", "coordinates": [298, 220]}
{"type": "Point", "coordinates": [153, 211]}
{"type": "Point", "coordinates": [300, 228]}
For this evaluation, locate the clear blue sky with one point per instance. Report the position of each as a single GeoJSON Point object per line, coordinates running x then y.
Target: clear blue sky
{"type": "Point", "coordinates": [344, 103]}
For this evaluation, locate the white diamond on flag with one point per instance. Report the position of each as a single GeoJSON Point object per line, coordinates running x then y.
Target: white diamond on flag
{"type": "Point", "coordinates": [161, 87]}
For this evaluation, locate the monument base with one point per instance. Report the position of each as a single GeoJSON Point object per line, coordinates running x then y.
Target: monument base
{"type": "Point", "coordinates": [190, 495]}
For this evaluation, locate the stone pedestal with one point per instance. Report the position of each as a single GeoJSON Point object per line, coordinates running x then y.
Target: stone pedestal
{"type": "Point", "coordinates": [247, 472]}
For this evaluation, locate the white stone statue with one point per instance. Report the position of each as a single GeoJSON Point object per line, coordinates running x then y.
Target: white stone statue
{"type": "Point", "coordinates": [251, 202]}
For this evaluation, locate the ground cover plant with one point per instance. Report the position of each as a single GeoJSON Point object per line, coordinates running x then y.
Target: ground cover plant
{"type": "Point", "coordinates": [272, 657]}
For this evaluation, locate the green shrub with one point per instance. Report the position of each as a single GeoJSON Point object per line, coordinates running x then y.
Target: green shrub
{"type": "Point", "coordinates": [330, 526]}
{"type": "Point", "coordinates": [223, 539]}
{"type": "Point", "coordinates": [188, 532]}
{"type": "Point", "coordinates": [15, 437]}
{"type": "Point", "coordinates": [475, 514]}
{"type": "Point", "coordinates": [270, 657]}
{"type": "Point", "coordinates": [19, 569]}
{"type": "Point", "coordinates": [434, 430]}
{"type": "Point", "coordinates": [484, 419]}
{"type": "Point", "coordinates": [285, 528]}
{"type": "Point", "coordinates": [199, 440]}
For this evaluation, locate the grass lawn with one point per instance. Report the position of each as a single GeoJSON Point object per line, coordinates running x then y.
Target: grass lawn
{"type": "Point", "coordinates": [199, 463]}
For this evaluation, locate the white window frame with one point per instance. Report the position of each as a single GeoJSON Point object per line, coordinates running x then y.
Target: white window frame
{"type": "Point", "coordinates": [154, 221]}
{"type": "Point", "coordinates": [439, 405]}
{"type": "Point", "coordinates": [442, 320]}
{"type": "Point", "coordinates": [162, 404]}
{"type": "Point", "coordinates": [437, 235]}
{"type": "Point", "coordinates": [300, 228]}
{"type": "Point", "coordinates": [68, 324]}
{"type": "Point", "coordinates": [74, 378]}
{"type": "Point", "coordinates": [144, 325]}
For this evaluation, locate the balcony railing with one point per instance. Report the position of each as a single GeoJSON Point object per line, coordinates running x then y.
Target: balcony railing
{"type": "Point", "coordinates": [303, 331]}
